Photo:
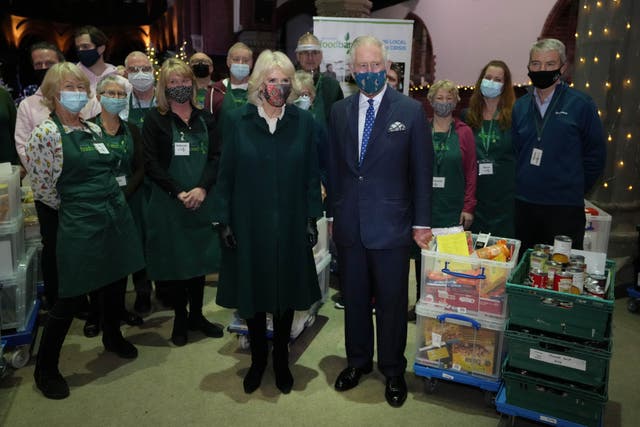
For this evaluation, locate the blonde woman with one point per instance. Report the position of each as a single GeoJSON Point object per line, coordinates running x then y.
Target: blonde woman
{"type": "Point", "coordinates": [267, 201]}
{"type": "Point", "coordinates": [71, 169]}
{"type": "Point", "coordinates": [181, 155]}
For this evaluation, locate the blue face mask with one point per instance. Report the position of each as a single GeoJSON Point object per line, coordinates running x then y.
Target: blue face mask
{"type": "Point", "coordinates": [239, 71]}
{"type": "Point", "coordinates": [73, 101]}
{"type": "Point", "coordinates": [303, 102]}
{"type": "Point", "coordinates": [113, 105]}
{"type": "Point", "coordinates": [371, 83]}
{"type": "Point", "coordinates": [490, 88]}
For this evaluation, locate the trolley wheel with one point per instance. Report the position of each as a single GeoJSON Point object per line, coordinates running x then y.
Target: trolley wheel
{"type": "Point", "coordinates": [489, 398]}
{"type": "Point", "coordinates": [430, 385]}
{"type": "Point", "coordinates": [243, 341]}
{"type": "Point", "coordinates": [632, 305]}
{"type": "Point", "coordinates": [20, 357]}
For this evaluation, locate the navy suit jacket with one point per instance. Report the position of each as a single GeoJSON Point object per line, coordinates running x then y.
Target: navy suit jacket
{"type": "Point", "coordinates": [379, 201]}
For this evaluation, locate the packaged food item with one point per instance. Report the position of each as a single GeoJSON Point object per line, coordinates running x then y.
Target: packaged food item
{"type": "Point", "coordinates": [562, 281]}
{"type": "Point", "coordinates": [537, 260]}
{"type": "Point", "coordinates": [552, 268]}
{"type": "Point", "coordinates": [577, 284]}
{"type": "Point", "coordinates": [500, 248]}
{"type": "Point", "coordinates": [4, 202]}
{"type": "Point", "coordinates": [538, 278]}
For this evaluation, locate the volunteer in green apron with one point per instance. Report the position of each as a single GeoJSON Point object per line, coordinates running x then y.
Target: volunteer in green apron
{"type": "Point", "coordinates": [231, 93]}
{"type": "Point", "coordinates": [489, 115]}
{"type": "Point", "coordinates": [181, 160]}
{"type": "Point", "coordinates": [202, 66]}
{"type": "Point", "coordinates": [97, 247]}
{"type": "Point", "coordinates": [140, 73]}
{"type": "Point", "coordinates": [453, 198]}
{"type": "Point", "coordinates": [125, 142]}
{"type": "Point", "coordinates": [267, 200]}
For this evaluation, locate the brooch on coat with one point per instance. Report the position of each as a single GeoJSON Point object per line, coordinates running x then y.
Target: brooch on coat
{"type": "Point", "coordinates": [397, 127]}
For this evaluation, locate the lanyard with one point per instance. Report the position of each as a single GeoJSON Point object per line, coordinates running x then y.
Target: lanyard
{"type": "Point", "coordinates": [488, 138]}
{"type": "Point", "coordinates": [542, 122]}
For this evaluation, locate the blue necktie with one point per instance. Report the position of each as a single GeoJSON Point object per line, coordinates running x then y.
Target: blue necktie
{"type": "Point", "coordinates": [368, 125]}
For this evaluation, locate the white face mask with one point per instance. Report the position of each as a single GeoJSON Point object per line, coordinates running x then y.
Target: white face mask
{"type": "Point", "coordinates": [303, 102]}
{"type": "Point", "coordinates": [141, 81]}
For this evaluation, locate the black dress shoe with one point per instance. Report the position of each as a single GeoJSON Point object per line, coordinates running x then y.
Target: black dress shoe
{"type": "Point", "coordinates": [91, 328]}
{"type": "Point", "coordinates": [396, 391]}
{"type": "Point", "coordinates": [200, 323]}
{"type": "Point", "coordinates": [131, 319]}
{"type": "Point", "coordinates": [121, 347]}
{"type": "Point", "coordinates": [52, 384]}
{"type": "Point", "coordinates": [253, 378]}
{"type": "Point", "coordinates": [179, 332]}
{"type": "Point", "coordinates": [350, 377]}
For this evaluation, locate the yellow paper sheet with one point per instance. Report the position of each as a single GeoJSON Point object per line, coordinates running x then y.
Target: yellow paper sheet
{"type": "Point", "coordinates": [454, 244]}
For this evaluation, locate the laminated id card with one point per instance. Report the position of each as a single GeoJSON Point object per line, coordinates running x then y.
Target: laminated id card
{"type": "Point", "coordinates": [122, 180]}
{"type": "Point", "coordinates": [485, 168]}
{"type": "Point", "coordinates": [181, 149]}
{"type": "Point", "coordinates": [100, 148]}
{"type": "Point", "coordinates": [536, 157]}
{"type": "Point", "coordinates": [438, 181]}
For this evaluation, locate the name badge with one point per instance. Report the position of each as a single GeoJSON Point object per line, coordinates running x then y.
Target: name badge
{"type": "Point", "coordinates": [122, 180]}
{"type": "Point", "coordinates": [438, 182]}
{"type": "Point", "coordinates": [485, 168]}
{"type": "Point", "coordinates": [181, 149]}
{"type": "Point", "coordinates": [100, 148]}
{"type": "Point", "coordinates": [536, 157]}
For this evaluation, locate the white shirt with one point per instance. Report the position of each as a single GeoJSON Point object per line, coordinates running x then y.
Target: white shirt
{"type": "Point", "coordinates": [271, 121]}
{"type": "Point", "coordinates": [363, 105]}
{"type": "Point", "coordinates": [243, 86]}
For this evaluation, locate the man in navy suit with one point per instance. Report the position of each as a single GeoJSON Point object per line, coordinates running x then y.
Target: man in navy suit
{"type": "Point", "coordinates": [380, 172]}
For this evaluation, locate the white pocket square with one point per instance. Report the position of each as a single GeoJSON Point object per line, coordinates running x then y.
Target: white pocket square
{"type": "Point", "coordinates": [397, 127]}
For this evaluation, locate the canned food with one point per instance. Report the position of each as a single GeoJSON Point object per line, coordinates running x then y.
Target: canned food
{"type": "Point", "coordinates": [537, 260]}
{"type": "Point", "coordinates": [595, 287]}
{"type": "Point", "coordinates": [562, 281]}
{"type": "Point", "coordinates": [547, 249]}
{"type": "Point", "coordinates": [561, 249]}
{"type": "Point", "coordinates": [538, 278]}
{"type": "Point", "coordinates": [576, 258]}
{"type": "Point", "coordinates": [552, 268]}
{"type": "Point", "coordinates": [577, 264]}
{"type": "Point", "coordinates": [577, 284]}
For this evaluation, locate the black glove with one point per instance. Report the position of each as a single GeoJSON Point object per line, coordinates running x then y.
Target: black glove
{"type": "Point", "coordinates": [312, 231]}
{"type": "Point", "coordinates": [227, 238]}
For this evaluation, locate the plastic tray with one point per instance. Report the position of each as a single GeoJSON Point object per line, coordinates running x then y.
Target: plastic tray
{"type": "Point", "coordinates": [580, 316]}
{"type": "Point", "coordinates": [18, 294]}
{"type": "Point", "coordinates": [577, 360]}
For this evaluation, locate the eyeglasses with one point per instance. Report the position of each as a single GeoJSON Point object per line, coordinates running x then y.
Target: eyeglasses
{"type": "Point", "coordinates": [143, 69]}
{"type": "Point", "coordinates": [114, 94]}
{"type": "Point", "coordinates": [202, 62]}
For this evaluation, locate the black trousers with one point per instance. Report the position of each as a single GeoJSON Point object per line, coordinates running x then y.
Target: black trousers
{"type": "Point", "coordinates": [541, 223]}
{"type": "Point", "coordinates": [381, 274]}
{"type": "Point", "coordinates": [48, 219]}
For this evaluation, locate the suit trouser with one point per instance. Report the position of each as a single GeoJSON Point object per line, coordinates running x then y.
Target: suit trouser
{"type": "Point", "coordinates": [383, 274]}
{"type": "Point", "coordinates": [541, 223]}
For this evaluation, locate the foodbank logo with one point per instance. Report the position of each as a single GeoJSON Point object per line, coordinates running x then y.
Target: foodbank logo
{"type": "Point", "coordinates": [344, 43]}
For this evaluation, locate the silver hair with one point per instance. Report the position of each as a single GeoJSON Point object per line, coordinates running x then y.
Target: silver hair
{"type": "Point", "coordinates": [546, 45]}
{"type": "Point", "coordinates": [364, 41]}
{"type": "Point", "coordinates": [111, 78]}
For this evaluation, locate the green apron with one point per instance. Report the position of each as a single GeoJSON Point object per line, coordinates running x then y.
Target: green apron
{"type": "Point", "coordinates": [121, 145]}
{"type": "Point", "coordinates": [495, 187]}
{"type": "Point", "coordinates": [136, 115]}
{"type": "Point", "coordinates": [233, 98]}
{"type": "Point", "coordinates": [181, 243]}
{"type": "Point", "coordinates": [201, 95]}
{"type": "Point", "coordinates": [448, 196]}
{"type": "Point", "coordinates": [97, 243]}
{"type": "Point", "coordinates": [317, 108]}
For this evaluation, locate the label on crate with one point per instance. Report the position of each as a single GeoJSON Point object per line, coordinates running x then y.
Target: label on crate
{"type": "Point", "coordinates": [558, 359]}
{"type": "Point", "coordinates": [547, 419]}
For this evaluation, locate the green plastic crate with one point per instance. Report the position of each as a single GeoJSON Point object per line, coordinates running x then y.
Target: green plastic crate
{"type": "Point", "coordinates": [574, 360]}
{"type": "Point", "coordinates": [579, 404]}
{"type": "Point", "coordinates": [580, 316]}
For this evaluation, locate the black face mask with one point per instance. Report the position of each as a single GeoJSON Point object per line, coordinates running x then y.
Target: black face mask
{"type": "Point", "coordinates": [200, 70]}
{"type": "Point", "coordinates": [38, 75]}
{"type": "Point", "coordinates": [544, 79]}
